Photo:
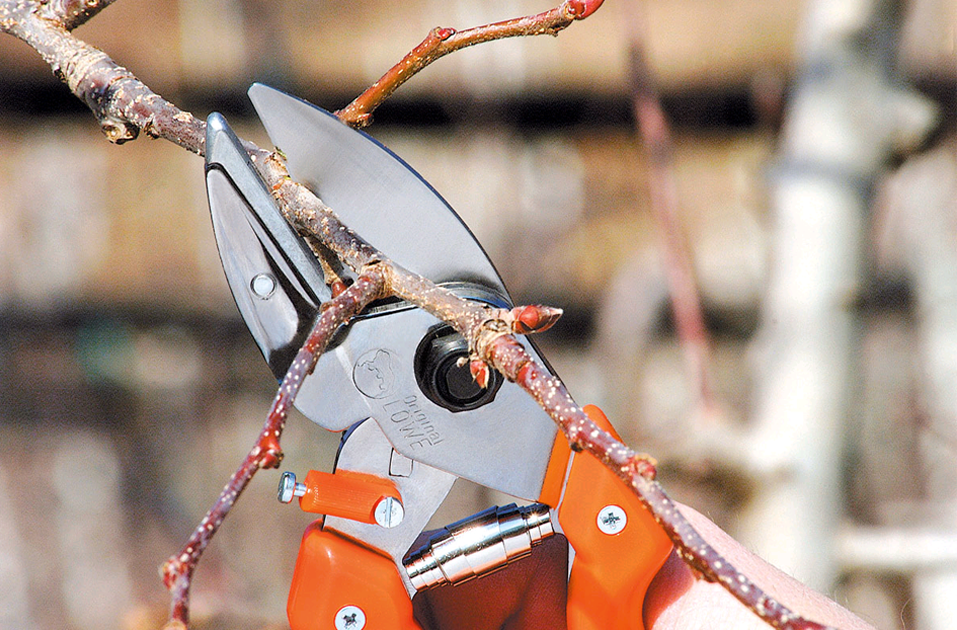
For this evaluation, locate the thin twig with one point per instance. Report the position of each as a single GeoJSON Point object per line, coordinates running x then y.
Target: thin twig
{"type": "Point", "coordinates": [177, 572]}
{"type": "Point", "coordinates": [659, 149]}
{"type": "Point", "coordinates": [442, 41]}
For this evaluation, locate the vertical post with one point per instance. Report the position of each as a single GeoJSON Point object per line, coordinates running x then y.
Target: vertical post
{"type": "Point", "coordinates": [839, 130]}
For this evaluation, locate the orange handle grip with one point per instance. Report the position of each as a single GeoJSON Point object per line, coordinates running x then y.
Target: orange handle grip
{"type": "Point", "coordinates": [618, 545]}
{"type": "Point", "coordinates": [340, 584]}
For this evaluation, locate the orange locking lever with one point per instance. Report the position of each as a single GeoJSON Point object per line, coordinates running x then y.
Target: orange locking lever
{"type": "Point", "coordinates": [352, 495]}
{"type": "Point", "coordinates": [618, 545]}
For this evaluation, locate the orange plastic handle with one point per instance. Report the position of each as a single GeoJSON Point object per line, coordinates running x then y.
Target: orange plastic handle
{"type": "Point", "coordinates": [618, 545]}
{"type": "Point", "coordinates": [340, 584]}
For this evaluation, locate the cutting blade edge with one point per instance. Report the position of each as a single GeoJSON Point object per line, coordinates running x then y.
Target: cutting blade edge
{"type": "Point", "coordinates": [274, 278]}
{"type": "Point", "coordinates": [374, 191]}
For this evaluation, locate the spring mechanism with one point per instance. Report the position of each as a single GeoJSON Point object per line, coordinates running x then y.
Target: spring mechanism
{"type": "Point", "coordinates": [477, 545]}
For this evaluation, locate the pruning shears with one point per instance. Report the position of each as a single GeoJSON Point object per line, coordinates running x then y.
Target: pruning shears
{"type": "Point", "coordinates": [412, 417]}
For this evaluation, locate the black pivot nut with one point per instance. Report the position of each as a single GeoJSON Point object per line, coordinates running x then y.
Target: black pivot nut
{"type": "Point", "coordinates": [441, 377]}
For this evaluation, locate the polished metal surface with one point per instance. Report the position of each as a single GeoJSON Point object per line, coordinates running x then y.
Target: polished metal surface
{"type": "Point", "coordinates": [389, 513]}
{"type": "Point", "coordinates": [367, 450]}
{"type": "Point", "coordinates": [505, 445]}
{"type": "Point", "coordinates": [289, 488]}
{"type": "Point", "coordinates": [478, 545]}
{"type": "Point", "coordinates": [350, 618]}
{"type": "Point", "coordinates": [611, 520]}
{"type": "Point", "coordinates": [275, 278]}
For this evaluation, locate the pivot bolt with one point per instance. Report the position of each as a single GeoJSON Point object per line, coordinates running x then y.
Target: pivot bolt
{"type": "Point", "coordinates": [263, 285]}
{"type": "Point", "coordinates": [289, 488]}
{"type": "Point", "coordinates": [442, 372]}
{"type": "Point", "coordinates": [611, 519]}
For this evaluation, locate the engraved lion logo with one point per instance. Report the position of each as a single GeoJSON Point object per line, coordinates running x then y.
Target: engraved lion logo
{"type": "Point", "coordinates": [373, 374]}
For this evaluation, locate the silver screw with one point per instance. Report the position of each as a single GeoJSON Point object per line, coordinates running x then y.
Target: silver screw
{"type": "Point", "coordinates": [611, 519]}
{"type": "Point", "coordinates": [389, 512]}
{"type": "Point", "coordinates": [350, 618]}
{"type": "Point", "coordinates": [263, 285]}
{"type": "Point", "coordinates": [289, 488]}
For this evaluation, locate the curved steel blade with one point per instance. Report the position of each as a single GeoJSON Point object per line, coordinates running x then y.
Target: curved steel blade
{"type": "Point", "coordinates": [374, 192]}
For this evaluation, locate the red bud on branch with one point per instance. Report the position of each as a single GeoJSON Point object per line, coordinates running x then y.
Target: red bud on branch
{"type": "Point", "coordinates": [534, 318]}
{"type": "Point", "coordinates": [583, 8]}
{"type": "Point", "coordinates": [480, 373]}
{"type": "Point", "coordinates": [338, 287]}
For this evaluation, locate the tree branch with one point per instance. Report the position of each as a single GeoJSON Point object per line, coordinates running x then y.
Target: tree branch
{"type": "Point", "coordinates": [638, 472]}
{"type": "Point", "coordinates": [177, 572]}
{"type": "Point", "coordinates": [72, 13]}
{"type": "Point", "coordinates": [121, 103]}
{"type": "Point", "coordinates": [659, 148]}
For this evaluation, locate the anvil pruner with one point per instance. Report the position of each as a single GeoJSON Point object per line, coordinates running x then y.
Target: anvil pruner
{"type": "Point", "coordinates": [413, 419]}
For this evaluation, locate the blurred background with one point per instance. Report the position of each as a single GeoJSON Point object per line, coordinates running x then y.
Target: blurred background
{"type": "Point", "coordinates": [816, 165]}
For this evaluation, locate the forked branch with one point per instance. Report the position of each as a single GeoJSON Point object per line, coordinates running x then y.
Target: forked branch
{"type": "Point", "coordinates": [124, 106]}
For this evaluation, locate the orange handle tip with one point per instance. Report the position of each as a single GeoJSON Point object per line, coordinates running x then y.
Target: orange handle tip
{"type": "Point", "coordinates": [339, 583]}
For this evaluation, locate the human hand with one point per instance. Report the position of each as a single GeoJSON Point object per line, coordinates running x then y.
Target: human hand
{"type": "Point", "coordinates": [676, 600]}
{"type": "Point", "coordinates": [530, 594]}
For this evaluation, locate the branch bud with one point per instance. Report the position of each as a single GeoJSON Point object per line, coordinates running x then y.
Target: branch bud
{"type": "Point", "coordinates": [118, 131]}
{"type": "Point", "coordinates": [338, 288]}
{"type": "Point", "coordinates": [534, 318]}
{"type": "Point", "coordinates": [580, 9]}
{"type": "Point", "coordinates": [443, 33]}
{"type": "Point", "coordinates": [480, 373]}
